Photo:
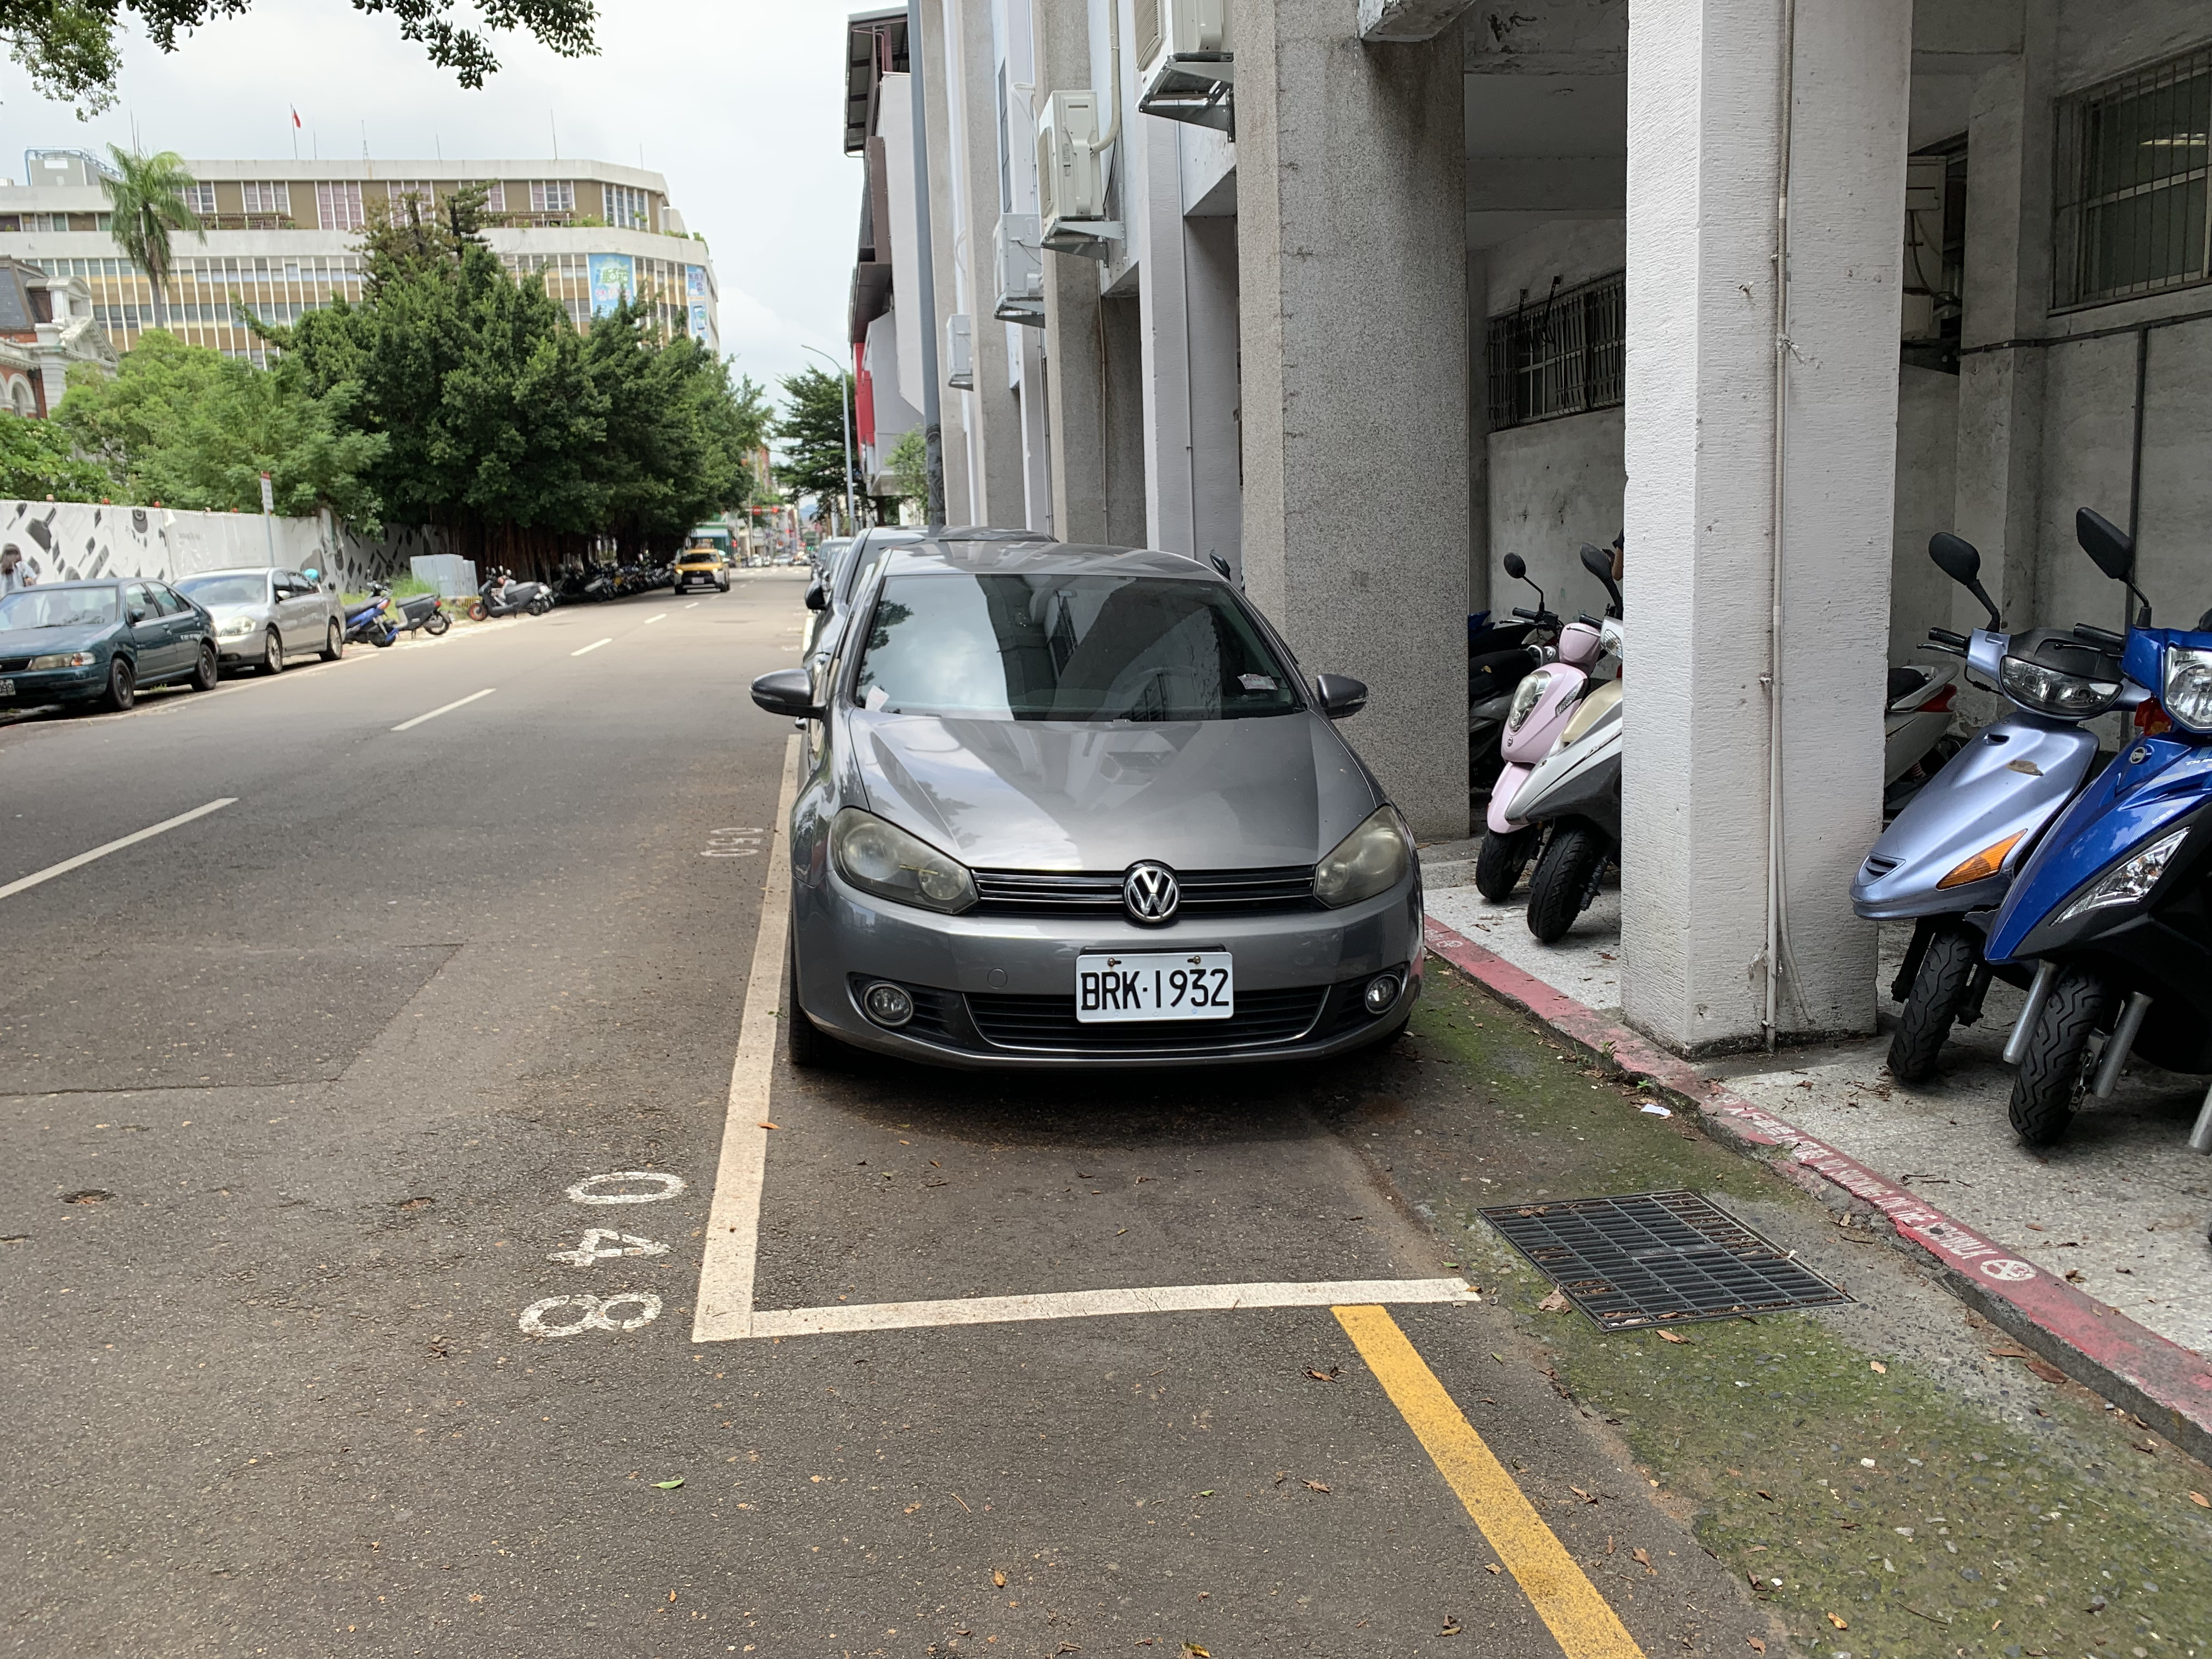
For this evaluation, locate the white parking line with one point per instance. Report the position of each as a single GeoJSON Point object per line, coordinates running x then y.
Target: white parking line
{"type": "Point", "coordinates": [447, 710]}
{"type": "Point", "coordinates": [147, 834]}
{"type": "Point", "coordinates": [694, 605]}
{"type": "Point", "coordinates": [593, 646]}
{"type": "Point", "coordinates": [663, 617]}
{"type": "Point", "coordinates": [1092, 1304]}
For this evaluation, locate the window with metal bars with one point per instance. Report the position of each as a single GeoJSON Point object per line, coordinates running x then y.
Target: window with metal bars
{"type": "Point", "coordinates": [1558, 355]}
{"type": "Point", "coordinates": [2134, 182]}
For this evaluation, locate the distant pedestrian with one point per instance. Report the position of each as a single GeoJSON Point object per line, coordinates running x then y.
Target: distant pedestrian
{"type": "Point", "coordinates": [13, 574]}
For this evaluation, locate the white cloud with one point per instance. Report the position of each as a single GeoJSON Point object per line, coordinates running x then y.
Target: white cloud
{"type": "Point", "coordinates": [740, 102]}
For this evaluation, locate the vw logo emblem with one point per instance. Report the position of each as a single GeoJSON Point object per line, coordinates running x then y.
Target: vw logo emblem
{"type": "Point", "coordinates": [1149, 895]}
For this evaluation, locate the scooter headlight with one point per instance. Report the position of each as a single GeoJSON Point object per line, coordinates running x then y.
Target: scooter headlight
{"type": "Point", "coordinates": [2130, 880]}
{"type": "Point", "coordinates": [2047, 691]}
{"type": "Point", "coordinates": [2187, 695]}
{"type": "Point", "coordinates": [1526, 696]}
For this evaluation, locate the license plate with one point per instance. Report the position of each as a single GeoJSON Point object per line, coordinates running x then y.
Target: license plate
{"type": "Point", "coordinates": [1149, 985]}
{"type": "Point", "coordinates": [6, 688]}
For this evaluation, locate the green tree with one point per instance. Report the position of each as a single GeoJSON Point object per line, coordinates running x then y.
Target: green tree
{"type": "Point", "coordinates": [148, 202]}
{"type": "Point", "coordinates": [69, 47]}
{"type": "Point", "coordinates": [37, 459]}
{"type": "Point", "coordinates": [190, 427]}
{"type": "Point", "coordinates": [811, 432]}
{"type": "Point", "coordinates": [909, 465]}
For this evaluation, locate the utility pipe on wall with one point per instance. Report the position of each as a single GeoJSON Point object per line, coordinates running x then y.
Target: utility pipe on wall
{"type": "Point", "coordinates": [932, 429]}
{"type": "Point", "coordinates": [1778, 924]}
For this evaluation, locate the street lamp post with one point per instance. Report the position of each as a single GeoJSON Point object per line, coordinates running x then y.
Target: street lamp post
{"type": "Point", "coordinates": [845, 410]}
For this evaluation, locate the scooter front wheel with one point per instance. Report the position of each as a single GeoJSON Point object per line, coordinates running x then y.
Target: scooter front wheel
{"type": "Point", "coordinates": [2055, 1069]}
{"type": "Point", "coordinates": [1499, 864]}
{"type": "Point", "coordinates": [1939, 990]}
{"type": "Point", "coordinates": [1565, 880]}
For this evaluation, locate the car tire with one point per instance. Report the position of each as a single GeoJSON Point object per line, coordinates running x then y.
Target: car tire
{"type": "Point", "coordinates": [2054, 1070]}
{"type": "Point", "coordinates": [1939, 990]}
{"type": "Point", "coordinates": [806, 1045]}
{"type": "Point", "coordinates": [334, 644]}
{"type": "Point", "coordinates": [1500, 863]}
{"type": "Point", "coordinates": [272, 659]}
{"type": "Point", "coordinates": [1565, 880]}
{"type": "Point", "coordinates": [206, 671]}
{"type": "Point", "coordinates": [122, 687]}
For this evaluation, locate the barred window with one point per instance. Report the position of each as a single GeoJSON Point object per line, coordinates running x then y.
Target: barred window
{"type": "Point", "coordinates": [267, 196]}
{"type": "Point", "coordinates": [625, 207]}
{"type": "Point", "coordinates": [552, 196]}
{"type": "Point", "coordinates": [200, 198]}
{"type": "Point", "coordinates": [2133, 178]}
{"type": "Point", "coordinates": [1558, 355]}
{"type": "Point", "coordinates": [337, 206]}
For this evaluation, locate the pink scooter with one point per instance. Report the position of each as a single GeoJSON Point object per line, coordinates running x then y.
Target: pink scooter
{"type": "Point", "coordinates": [1542, 705]}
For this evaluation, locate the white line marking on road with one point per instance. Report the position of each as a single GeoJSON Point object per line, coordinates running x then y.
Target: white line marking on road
{"type": "Point", "coordinates": [694, 605]}
{"type": "Point", "coordinates": [725, 1265]}
{"type": "Point", "coordinates": [663, 617]}
{"type": "Point", "coordinates": [603, 1243]}
{"type": "Point", "coordinates": [595, 1314]}
{"type": "Point", "coordinates": [447, 710]}
{"type": "Point", "coordinates": [593, 646]}
{"type": "Point", "coordinates": [1087, 1304]}
{"type": "Point", "coordinates": [83, 858]}
{"type": "Point", "coordinates": [669, 1184]}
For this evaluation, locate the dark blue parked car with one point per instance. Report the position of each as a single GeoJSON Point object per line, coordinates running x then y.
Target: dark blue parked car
{"type": "Point", "coordinates": [74, 643]}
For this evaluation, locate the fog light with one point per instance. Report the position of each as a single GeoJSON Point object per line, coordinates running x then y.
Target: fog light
{"type": "Point", "coordinates": [1381, 992]}
{"type": "Point", "coordinates": [887, 1004]}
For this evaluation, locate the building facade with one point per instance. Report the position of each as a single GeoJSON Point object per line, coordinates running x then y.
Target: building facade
{"type": "Point", "coordinates": [281, 239]}
{"type": "Point", "coordinates": [1361, 295]}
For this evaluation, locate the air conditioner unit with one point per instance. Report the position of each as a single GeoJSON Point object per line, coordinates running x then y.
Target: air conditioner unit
{"type": "Point", "coordinates": [1071, 177]}
{"type": "Point", "coordinates": [1179, 28]}
{"type": "Point", "coordinates": [1021, 272]}
{"type": "Point", "coordinates": [1186, 61]}
{"type": "Point", "coordinates": [959, 354]}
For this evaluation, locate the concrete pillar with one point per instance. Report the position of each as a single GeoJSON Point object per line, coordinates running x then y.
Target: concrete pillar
{"type": "Point", "coordinates": [1217, 465]}
{"type": "Point", "coordinates": [1151, 205]}
{"type": "Point", "coordinates": [1075, 390]}
{"type": "Point", "coordinates": [1121, 375]}
{"type": "Point", "coordinates": [1030, 400]}
{"type": "Point", "coordinates": [1351, 262]}
{"type": "Point", "coordinates": [944, 236]}
{"type": "Point", "coordinates": [2009, 140]}
{"type": "Point", "coordinates": [1705, 91]}
{"type": "Point", "coordinates": [989, 414]}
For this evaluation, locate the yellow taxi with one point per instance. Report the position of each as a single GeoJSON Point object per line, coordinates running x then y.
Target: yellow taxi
{"type": "Point", "coordinates": [703, 566]}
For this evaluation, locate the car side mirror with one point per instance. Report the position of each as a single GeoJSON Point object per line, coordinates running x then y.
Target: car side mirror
{"type": "Point", "coordinates": [1959, 559]}
{"type": "Point", "coordinates": [817, 597]}
{"type": "Point", "coordinates": [787, 691]}
{"type": "Point", "coordinates": [1341, 697]}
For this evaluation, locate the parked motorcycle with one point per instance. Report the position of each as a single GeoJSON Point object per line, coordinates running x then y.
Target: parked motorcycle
{"type": "Point", "coordinates": [420, 612]}
{"type": "Point", "coordinates": [1499, 655]}
{"type": "Point", "coordinates": [1542, 706]}
{"type": "Point", "coordinates": [2113, 909]}
{"type": "Point", "coordinates": [1574, 793]}
{"type": "Point", "coordinates": [503, 596]}
{"type": "Point", "coordinates": [1948, 858]}
{"type": "Point", "coordinates": [367, 624]}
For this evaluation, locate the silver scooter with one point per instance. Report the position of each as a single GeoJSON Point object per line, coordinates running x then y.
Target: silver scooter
{"type": "Point", "coordinates": [1946, 860]}
{"type": "Point", "coordinates": [1575, 792]}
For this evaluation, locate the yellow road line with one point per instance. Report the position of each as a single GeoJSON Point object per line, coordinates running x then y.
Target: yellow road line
{"type": "Point", "coordinates": [1587, 1628]}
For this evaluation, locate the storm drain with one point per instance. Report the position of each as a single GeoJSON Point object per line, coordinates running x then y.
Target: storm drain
{"type": "Point", "coordinates": [1658, 1258]}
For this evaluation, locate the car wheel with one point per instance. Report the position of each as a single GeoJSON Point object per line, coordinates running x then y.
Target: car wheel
{"type": "Point", "coordinates": [1938, 991]}
{"type": "Point", "coordinates": [334, 646]}
{"type": "Point", "coordinates": [722, 587]}
{"type": "Point", "coordinates": [122, 687]}
{"type": "Point", "coordinates": [2053, 1071]}
{"type": "Point", "coordinates": [207, 672]}
{"type": "Point", "coordinates": [273, 657]}
{"type": "Point", "coordinates": [806, 1045]}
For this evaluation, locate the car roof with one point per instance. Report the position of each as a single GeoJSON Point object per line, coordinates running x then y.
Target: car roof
{"type": "Point", "coordinates": [88, 581]}
{"type": "Point", "coordinates": [1028, 554]}
{"type": "Point", "coordinates": [230, 570]}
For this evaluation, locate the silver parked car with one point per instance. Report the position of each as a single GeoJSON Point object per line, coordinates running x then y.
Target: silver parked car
{"type": "Point", "coordinates": [264, 617]}
{"type": "Point", "coordinates": [1078, 805]}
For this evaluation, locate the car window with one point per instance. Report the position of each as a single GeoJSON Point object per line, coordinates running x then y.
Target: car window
{"type": "Point", "coordinates": [140, 600]}
{"type": "Point", "coordinates": [58, 607]}
{"type": "Point", "coordinates": [1067, 647]}
{"type": "Point", "coordinates": [212, 591]}
{"type": "Point", "coordinates": [171, 603]}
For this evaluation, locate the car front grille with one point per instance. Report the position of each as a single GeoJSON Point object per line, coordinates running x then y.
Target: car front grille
{"type": "Point", "coordinates": [14, 665]}
{"type": "Point", "coordinates": [1049, 1025]}
{"type": "Point", "coordinates": [1205, 892]}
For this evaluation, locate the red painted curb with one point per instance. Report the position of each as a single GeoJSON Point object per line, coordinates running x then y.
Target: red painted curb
{"type": "Point", "coordinates": [2162, 1381]}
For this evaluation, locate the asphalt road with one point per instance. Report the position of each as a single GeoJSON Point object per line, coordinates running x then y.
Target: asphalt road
{"type": "Point", "coordinates": [299, 1104]}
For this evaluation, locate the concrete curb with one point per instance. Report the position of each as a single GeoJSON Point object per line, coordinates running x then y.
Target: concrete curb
{"type": "Point", "coordinates": [2164, 1384]}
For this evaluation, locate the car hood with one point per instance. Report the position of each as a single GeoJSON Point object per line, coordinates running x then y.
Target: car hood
{"type": "Point", "coordinates": [46, 642]}
{"type": "Point", "coordinates": [259, 610]}
{"type": "Point", "coordinates": [1039, 795]}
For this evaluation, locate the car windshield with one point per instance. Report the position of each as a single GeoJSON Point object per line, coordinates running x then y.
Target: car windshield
{"type": "Point", "coordinates": [212, 591]}
{"type": "Point", "coordinates": [1067, 647]}
{"type": "Point", "coordinates": [58, 607]}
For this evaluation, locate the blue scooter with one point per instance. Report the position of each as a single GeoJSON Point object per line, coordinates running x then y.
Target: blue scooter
{"type": "Point", "coordinates": [1946, 861]}
{"type": "Point", "coordinates": [2114, 909]}
{"type": "Point", "coordinates": [368, 625]}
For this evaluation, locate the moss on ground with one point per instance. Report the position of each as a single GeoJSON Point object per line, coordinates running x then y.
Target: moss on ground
{"type": "Point", "coordinates": [1890, 1502]}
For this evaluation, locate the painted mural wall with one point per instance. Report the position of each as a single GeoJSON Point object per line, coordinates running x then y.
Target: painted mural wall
{"type": "Point", "coordinates": [69, 541]}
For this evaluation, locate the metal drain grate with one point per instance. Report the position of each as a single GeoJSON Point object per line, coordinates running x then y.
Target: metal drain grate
{"type": "Point", "coordinates": [1658, 1258]}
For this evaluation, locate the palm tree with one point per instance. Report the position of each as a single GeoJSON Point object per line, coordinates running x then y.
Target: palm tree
{"type": "Point", "coordinates": [148, 196]}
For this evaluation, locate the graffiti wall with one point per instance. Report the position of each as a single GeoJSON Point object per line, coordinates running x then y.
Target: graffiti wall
{"type": "Point", "coordinates": [66, 541]}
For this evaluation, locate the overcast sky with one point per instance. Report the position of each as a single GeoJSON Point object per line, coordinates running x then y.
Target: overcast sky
{"type": "Point", "coordinates": [738, 102]}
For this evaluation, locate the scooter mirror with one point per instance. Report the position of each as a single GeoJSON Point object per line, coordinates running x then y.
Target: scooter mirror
{"type": "Point", "coordinates": [1515, 566]}
{"type": "Point", "coordinates": [1959, 559]}
{"type": "Point", "coordinates": [2111, 548]}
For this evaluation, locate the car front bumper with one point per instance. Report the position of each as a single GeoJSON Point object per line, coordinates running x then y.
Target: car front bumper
{"type": "Point", "coordinates": [998, 992]}
{"type": "Point", "coordinates": [31, 690]}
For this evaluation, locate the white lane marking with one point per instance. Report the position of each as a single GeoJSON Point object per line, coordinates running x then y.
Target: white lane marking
{"type": "Point", "coordinates": [669, 1185]}
{"type": "Point", "coordinates": [593, 646]}
{"type": "Point", "coordinates": [594, 1317]}
{"type": "Point", "coordinates": [447, 710]}
{"type": "Point", "coordinates": [603, 1243]}
{"type": "Point", "coordinates": [1092, 1304]}
{"type": "Point", "coordinates": [83, 858]}
{"type": "Point", "coordinates": [725, 1265]}
{"type": "Point", "coordinates": [663, 617]}
{"type": "Point", "coordinates": [694, 605]}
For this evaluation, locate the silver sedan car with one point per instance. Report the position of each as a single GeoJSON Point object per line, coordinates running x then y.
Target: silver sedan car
{"type": "Point", "coordinates": [264, 617]}
{"type": "Point", "coordinates": [1077, 806]}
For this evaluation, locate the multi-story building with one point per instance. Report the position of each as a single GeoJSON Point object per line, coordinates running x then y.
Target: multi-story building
{"type": "Point", "coordinates": [281, 239]}
{"type": "Point", "coordinates": [45, 324]}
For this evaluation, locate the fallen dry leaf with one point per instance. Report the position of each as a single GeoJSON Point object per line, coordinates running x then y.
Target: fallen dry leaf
{"type": "Point", "coordinates": [2009, 1353]}
{"type": "Point", "coordinates": [1316, 1486]}
{"type": "Point", "coordinates": [1492, 1566]}
{"type": "Point", "coordinates": [1757, 1646]}
{"type": "Point", "coordinates": [1768, 1496]}
{"type": "Point", "coordinates": [1580, 1494]}
{"type": "Point", "coordinates": [1643, 1559]}
{"type": "Point", "coordinates": [770, 1126]}
{"type": "Point", "coordinates": [1876, 1365]}
{"type": "Point", "coordinates": [1451, 1627]}
{"type": "Point", "coordinates": [1332, 1375]}
{"type": "Point", "coordinates": [1555, 1303]}
{"type": "Point", "coordinates": [671, 1595]}
{"type": "Point", "coordinates": [1669, 1336]}
{"type": "Point", "coordinates": [1000, 1579]}
{"type": "Point", "coordinates": [1192, 1651]}
{"type": "Point", "coordinates": [1837, 1620]}
{"type": "Point", "coordinates": [2046, 1371]}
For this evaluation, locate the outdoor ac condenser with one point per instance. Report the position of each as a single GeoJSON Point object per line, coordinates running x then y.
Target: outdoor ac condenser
{"type": "Point", "coordinates": [959, 353]}
{"type": "Point", "coordinates": [1169, 28]}
{"type": "Point", "coordinates": [1071, 181]}
{"type": "Point", "coordinates": [1021, 271]}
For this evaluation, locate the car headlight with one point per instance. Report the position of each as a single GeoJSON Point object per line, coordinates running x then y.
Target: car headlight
{"type": "Point", "coordinates": [2187, 695]}
{"type": "Point", "coordinates": [65, 660]}
{"type": "Point", "coordinates": [1526, 696]}
{"type": "Point", "coordinates": [1373, 858]}
{"type": "Point", "coordinates": [235, 627]}
{"type": "Point", "coordinates": [2068, 696]}
{"type": "Point", "coordinates": [2127, 882]}
{"type": "Point", "coordinates": [882, 859]}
